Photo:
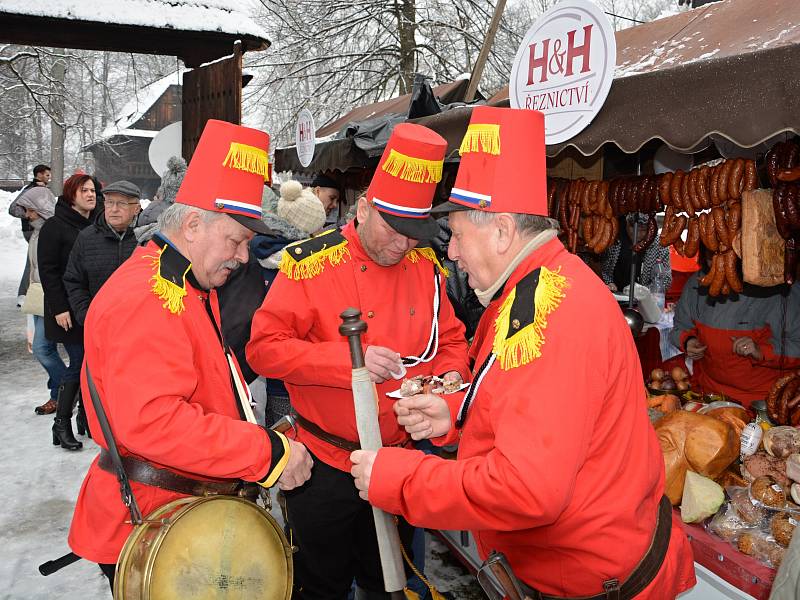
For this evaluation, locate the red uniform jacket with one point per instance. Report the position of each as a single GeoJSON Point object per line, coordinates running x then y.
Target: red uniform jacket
{"type": "Point", "coordinates": [166, 389]}
{"type": "Point", "coordinates": [295, 338]}
{"type": "Point", "coordinates": [772, 320]}
{"type": "Point", "coordinates": [558, 466]}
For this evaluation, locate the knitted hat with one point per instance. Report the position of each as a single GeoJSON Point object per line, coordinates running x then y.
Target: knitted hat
{"type": "Point", "coordinates": [171, 179]}
{"type": "Point", "coordinates": [324, 181]}
{"type": "Point", "coordinates": [301, 207]}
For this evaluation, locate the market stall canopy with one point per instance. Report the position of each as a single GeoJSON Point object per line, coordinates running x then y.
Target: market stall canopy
{"type": "Point", "coordinates": [197, 31]}
{"type": "Point", "coordinates": [341, 143]}
{"type": "Point", "coordinates": [729, 68]}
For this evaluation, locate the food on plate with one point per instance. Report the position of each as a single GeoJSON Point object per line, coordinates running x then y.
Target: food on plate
{"type": "Point", "coordinates": [767, 491]}
{"type": "Point", "coordinates": [693, 442]}
{"type": "Point", "coordinates": [782, 528]}
{"type": "Point", "coordinates": [666, 403]}
{"type": "Point", "coordinates": [411, 386]}
{"type": "Point", "coordinates": [782, 441]}
{"type": "Point", "coordinates": [428, 384]}
{"type": "Point", "coordinates": [762, 463]}
{"type": "Point", "coordinates": [657, 375]}
{"type": "Point", "coordinates": [702, 497]}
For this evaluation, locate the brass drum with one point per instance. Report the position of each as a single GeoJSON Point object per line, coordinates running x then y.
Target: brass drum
{"type": "Point", "coordinates": [218, 547]}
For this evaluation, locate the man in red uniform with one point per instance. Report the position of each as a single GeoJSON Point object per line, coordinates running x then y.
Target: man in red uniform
{"type": "Point", "coordinates": [376, 266]}
{"type": "Point", "coordinates": [158, 361]}
{"type": "Point", "coordinates": [558, 467]}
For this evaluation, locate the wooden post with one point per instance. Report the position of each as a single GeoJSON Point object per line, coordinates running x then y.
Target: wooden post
{"type": "Point", "coordinates": [213, 91]}
{"type": "Point", "coordinates": [477, 70]}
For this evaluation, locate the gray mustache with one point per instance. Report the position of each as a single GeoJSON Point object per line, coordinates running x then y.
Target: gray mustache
{"type": "Point", "coordinates": [230, 264]}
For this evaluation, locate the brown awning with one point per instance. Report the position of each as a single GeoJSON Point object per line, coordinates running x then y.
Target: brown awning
{"type": "Point", "coordinates": [343, 154]}
{"type": "Point", "coordinates": [730, 68]}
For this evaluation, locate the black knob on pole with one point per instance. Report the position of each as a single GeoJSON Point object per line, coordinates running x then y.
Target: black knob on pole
{"type": "Point", "coordinates": [352, 327]}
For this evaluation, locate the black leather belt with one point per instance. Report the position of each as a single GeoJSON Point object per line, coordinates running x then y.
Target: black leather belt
{"type": "Point", "coordinates": [143, 472]}
{"type": "Point", "coordinates": [333, 440]}
{"type": "Point", "coordinates": [641, 576]}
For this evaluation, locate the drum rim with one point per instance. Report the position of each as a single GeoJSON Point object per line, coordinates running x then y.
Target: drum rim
{"type": "Point", "coordinates": [188, 502]}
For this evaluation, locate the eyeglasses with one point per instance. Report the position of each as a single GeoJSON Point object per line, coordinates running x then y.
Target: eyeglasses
{"type": "Point", "coordinates": [119, 204]}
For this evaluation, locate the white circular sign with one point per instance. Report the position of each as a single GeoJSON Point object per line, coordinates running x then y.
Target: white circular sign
{"type": "Point", "coordinates": [165, 145]}
{"type": "Point", "coordinates": [305, 137]}
{"type": "Point", "coordinates": [564, 67]}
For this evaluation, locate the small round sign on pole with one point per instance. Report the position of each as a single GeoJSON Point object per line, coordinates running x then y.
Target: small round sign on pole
{"type": "Point", "coordinates": [564, 67]}
{"type": "Point", "coordinates": [305, 137]}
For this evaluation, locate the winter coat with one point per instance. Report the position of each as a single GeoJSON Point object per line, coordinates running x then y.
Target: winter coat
{"type": "Point", "coordinates": [97, 253]}
{"type": "Point", "coordinates": [770, 316]}
{"type": "Point", "coordinates": [295, 333]}
{"type": "Point", "coordinates": [56, 239]}
{"type": "Point", "coordinates": [557, 413]}
{"type": "Point", "coordinates": [44, 203]}
{"type": "Point", "coordinates": [167, 389]}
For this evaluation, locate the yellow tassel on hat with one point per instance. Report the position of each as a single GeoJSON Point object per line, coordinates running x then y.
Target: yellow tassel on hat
{"type": "Point", "coordinates": [411, 168]}
{"type": "Point", "coordinates": [414, 254]}
{"type": "Point", "coordinates": [247, 158]}
{"type": "Point", "coordinates": [171, 293]}
{"type": "Point", "coordinates": [312, 265]}
{"type": "Point", "coordinates": [481, 137]}
{"type": "Point", "coordinates": [526, 344]}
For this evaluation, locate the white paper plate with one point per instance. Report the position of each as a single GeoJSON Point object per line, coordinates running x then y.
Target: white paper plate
{"type": "Point", "coordinates": [397, 394]}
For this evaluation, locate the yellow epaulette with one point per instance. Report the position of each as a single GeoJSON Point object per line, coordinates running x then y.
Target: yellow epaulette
{"type": "Point", "coordinates": [306, 259]}
{"type": "Point", "coordinates": [430, 254]}
{"type": "Point", "coordinates": [169, 277]}
{"type": "Point", "coordinates": [522, 318]}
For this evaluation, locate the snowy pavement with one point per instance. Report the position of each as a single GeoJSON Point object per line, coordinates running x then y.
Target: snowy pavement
{"type": "Point", "coordinates": [40, 482]}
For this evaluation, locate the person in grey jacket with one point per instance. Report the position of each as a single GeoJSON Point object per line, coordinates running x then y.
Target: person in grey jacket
{"type": "Point", "coordinates": [37, 204]}
{"type": "Point", "coordinates": [101, 248]}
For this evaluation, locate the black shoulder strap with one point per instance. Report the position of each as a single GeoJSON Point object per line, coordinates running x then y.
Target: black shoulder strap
{"type": "Point", "coordinates": [124, 483]}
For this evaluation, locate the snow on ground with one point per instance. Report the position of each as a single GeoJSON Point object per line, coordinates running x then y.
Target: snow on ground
{"type": "Point", "coordinates": [40, 482]}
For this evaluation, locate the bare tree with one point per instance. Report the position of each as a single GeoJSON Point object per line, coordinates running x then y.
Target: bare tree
{"type": "Point", "coordinates": [329, 56]}
{"type": "Point", "coordinates": [53, 102]}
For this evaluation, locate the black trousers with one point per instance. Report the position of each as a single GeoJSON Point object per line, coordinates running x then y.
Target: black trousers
{"type": "Point", "coordinates": [108, 571]}
{"type": "Point", "coordinates": [335, 533]}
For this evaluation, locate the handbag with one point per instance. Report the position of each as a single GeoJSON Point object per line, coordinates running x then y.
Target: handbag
{"type": "Point", "coordinates": [34, 300]}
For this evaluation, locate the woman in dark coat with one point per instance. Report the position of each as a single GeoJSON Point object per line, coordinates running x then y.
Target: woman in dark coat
{"type": "Point", "coordinates": [74, 212]}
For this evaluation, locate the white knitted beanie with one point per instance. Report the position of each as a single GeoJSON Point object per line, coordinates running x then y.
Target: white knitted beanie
{"type": "Point", "coordinates": [301, 207]}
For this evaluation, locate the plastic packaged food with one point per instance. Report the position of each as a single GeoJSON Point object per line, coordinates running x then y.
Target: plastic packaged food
{"type": "Point", "coordinates": [761, 546]}
{"type": "Point", "coordinates": [751, 438]}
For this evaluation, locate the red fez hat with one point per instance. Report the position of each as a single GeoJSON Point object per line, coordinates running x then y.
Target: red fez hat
{"type": "Point", "coordinates": [404, 183]}
{"type": "Point", "coordinates": [227, 173]}
{"type": "Point", "coordinates": [503, 166]}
